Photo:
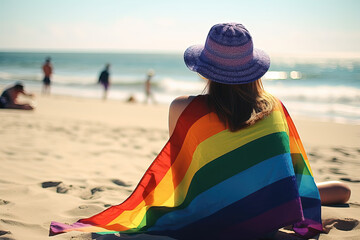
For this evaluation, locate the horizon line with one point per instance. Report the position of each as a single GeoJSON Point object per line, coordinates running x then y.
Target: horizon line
{"type": "Point", "coordinates": [316, 55]}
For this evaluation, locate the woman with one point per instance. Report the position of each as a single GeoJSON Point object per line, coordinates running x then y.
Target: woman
{"type": "Point", "coordinates": [234, 166]}
{"type": "Point", "coordinates": [239, 103]}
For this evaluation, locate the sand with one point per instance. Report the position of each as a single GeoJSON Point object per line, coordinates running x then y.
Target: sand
{"type": "Point", "coordinates": [74, 157]}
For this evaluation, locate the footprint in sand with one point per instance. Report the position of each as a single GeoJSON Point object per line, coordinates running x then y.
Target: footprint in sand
{"type": "Point", "coordinates": [86, 209]}
{"type": "Point", "coordinates": [49, 184]}
{"type": "Point", "coordinates": [60, 187]}
{"type": "Point", "coordinates": [335, 160]}
{"type": "Point", "coordinates": [342, 151]}
{"type": "Point", "coordinates": [120, 183]}
{"type": "Point", "coordinates": [313, 155]}
{"type": "Point", "coordinates": [81, 191]}
{"type": "Point", "coordinates": [97, 189]}
{"type": "Point", "coordinates": [4, 202]}
{"type": "Point", "coordinates": [4, 232]}
{"type": "Point", "coordinates": [350, 180]}
{"type": "Point", "coordinates": [346, 224]}
{"type": "Point", "coordinates": [9, 153]}
{"type": "Point", "coordinates": [336, 171]}
{"type": "Point", "coordinates": [85, 195]}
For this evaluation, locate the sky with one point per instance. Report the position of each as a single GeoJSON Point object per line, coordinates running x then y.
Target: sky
{"type": "Point", "coordinates": [312, 27]}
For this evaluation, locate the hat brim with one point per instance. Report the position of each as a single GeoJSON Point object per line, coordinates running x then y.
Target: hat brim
{"type": "Point", "coordinates": [249, 72]}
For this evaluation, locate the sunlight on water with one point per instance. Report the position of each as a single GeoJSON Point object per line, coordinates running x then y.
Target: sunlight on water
{"type": "Point", "coordinates": [275, 75]}
{"type": "Point", "coordinates": [295, 75]}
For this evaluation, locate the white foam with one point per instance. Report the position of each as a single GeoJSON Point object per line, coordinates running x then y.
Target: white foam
{"type": "Point", "coordinates": [325, 94]}
{"type": "Point", "coordinates": [170, 85]}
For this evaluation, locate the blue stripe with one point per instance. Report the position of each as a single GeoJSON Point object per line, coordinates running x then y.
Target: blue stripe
{"type": "Point", "coordinates": [307, 186]}
{"type": "Point", "coordinates": [228, 192]}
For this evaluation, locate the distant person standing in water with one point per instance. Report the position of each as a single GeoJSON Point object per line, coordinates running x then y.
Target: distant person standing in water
{"type": "Point", "coordinates": [9, 97]}
{"type": "Point", "coordinates": [48, 70]}
{"type": "Point", "coordinates": [104, 80]}
{"type": "Point", "coordinates": [148, 93]}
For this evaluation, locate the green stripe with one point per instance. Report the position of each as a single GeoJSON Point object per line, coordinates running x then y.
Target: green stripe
{"type": "Point", "coordinates": [221, 169]}
{"type": "Point", "coordinates": [299, 164]}
{"type": "Point", "coordinates": [105, 233]}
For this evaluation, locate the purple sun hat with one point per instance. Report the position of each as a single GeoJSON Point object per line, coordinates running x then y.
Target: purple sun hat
{"type": "Point", "coordinates": [228, 56]}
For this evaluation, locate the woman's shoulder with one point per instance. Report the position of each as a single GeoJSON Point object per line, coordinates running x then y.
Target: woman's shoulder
{"type": "Point", "coordinates": [180, 103]}
{"type": "Point", "coordinates": [177, 106]}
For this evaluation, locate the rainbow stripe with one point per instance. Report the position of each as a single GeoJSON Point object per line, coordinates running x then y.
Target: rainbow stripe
{"type": "Point", "coordinates": [210, 183]}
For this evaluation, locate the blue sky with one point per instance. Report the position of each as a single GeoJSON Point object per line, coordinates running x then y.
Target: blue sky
{"type": "Point", "coordinates": [277, 26]}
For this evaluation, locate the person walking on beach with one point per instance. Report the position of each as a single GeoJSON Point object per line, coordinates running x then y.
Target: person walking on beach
{"type": "Point", "coordinates": [47, 70]}
{"type": "Point", "coordinates": [9, 97]}
{"type": "Point", "coordinates": [104, 80]}
{"type": "Point", "coordinates": [148, 92]}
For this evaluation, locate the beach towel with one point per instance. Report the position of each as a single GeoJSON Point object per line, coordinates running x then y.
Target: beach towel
{"type": "Point", "coordinates": [210, 183]}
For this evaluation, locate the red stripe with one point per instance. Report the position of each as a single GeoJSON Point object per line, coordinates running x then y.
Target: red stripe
{"type": "Point", "coordinates": [157, 170]}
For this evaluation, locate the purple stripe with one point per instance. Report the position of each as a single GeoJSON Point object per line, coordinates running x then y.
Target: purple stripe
{"type": "Point", "coordinates": [57, 228]}
{"type": "Point", "coordinates": [285, 214]}
{"type": "Point", "coordinates": [308, 228]}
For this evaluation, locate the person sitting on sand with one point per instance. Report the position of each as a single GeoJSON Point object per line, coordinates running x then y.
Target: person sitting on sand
{"type": "Point", "coordinates": [9, 98]}
{"type": "Point", "coordinates": [232, 113]}
{"type": "Point", "coordinates": [234, 166]}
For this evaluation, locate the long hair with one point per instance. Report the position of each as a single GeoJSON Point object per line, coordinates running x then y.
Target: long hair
{"type": "Point", "coordinates": [240, 105]}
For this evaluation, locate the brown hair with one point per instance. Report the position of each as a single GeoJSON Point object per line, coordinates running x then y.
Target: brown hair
{"type": "Point", "coordinates": [240, 105]}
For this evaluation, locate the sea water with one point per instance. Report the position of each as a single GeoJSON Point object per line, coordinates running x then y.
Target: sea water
{"type": "Point", "coordinates": [321, 89]}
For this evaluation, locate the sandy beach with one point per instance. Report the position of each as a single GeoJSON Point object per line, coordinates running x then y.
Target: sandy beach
{"type": "Point", "coordinates": [74, 157]}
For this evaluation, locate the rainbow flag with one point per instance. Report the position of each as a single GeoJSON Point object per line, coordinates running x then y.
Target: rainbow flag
{"type": "Point", "coordinates": [210, 183]}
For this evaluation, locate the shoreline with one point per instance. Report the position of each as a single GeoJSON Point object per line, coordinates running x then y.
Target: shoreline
{"type": "Point", "coordinates": [165, 101]}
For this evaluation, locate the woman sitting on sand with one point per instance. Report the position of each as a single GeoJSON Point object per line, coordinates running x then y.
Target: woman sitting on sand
{"type": "Point", "coordinates": [234, 166]}
{"type": "Point", "coordinates": [9, 98]}
{"type": "Point", "coordinates": [238, 102]}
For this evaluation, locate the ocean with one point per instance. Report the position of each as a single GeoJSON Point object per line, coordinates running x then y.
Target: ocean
{"type": "Point", "coordinates": [320, 89]}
